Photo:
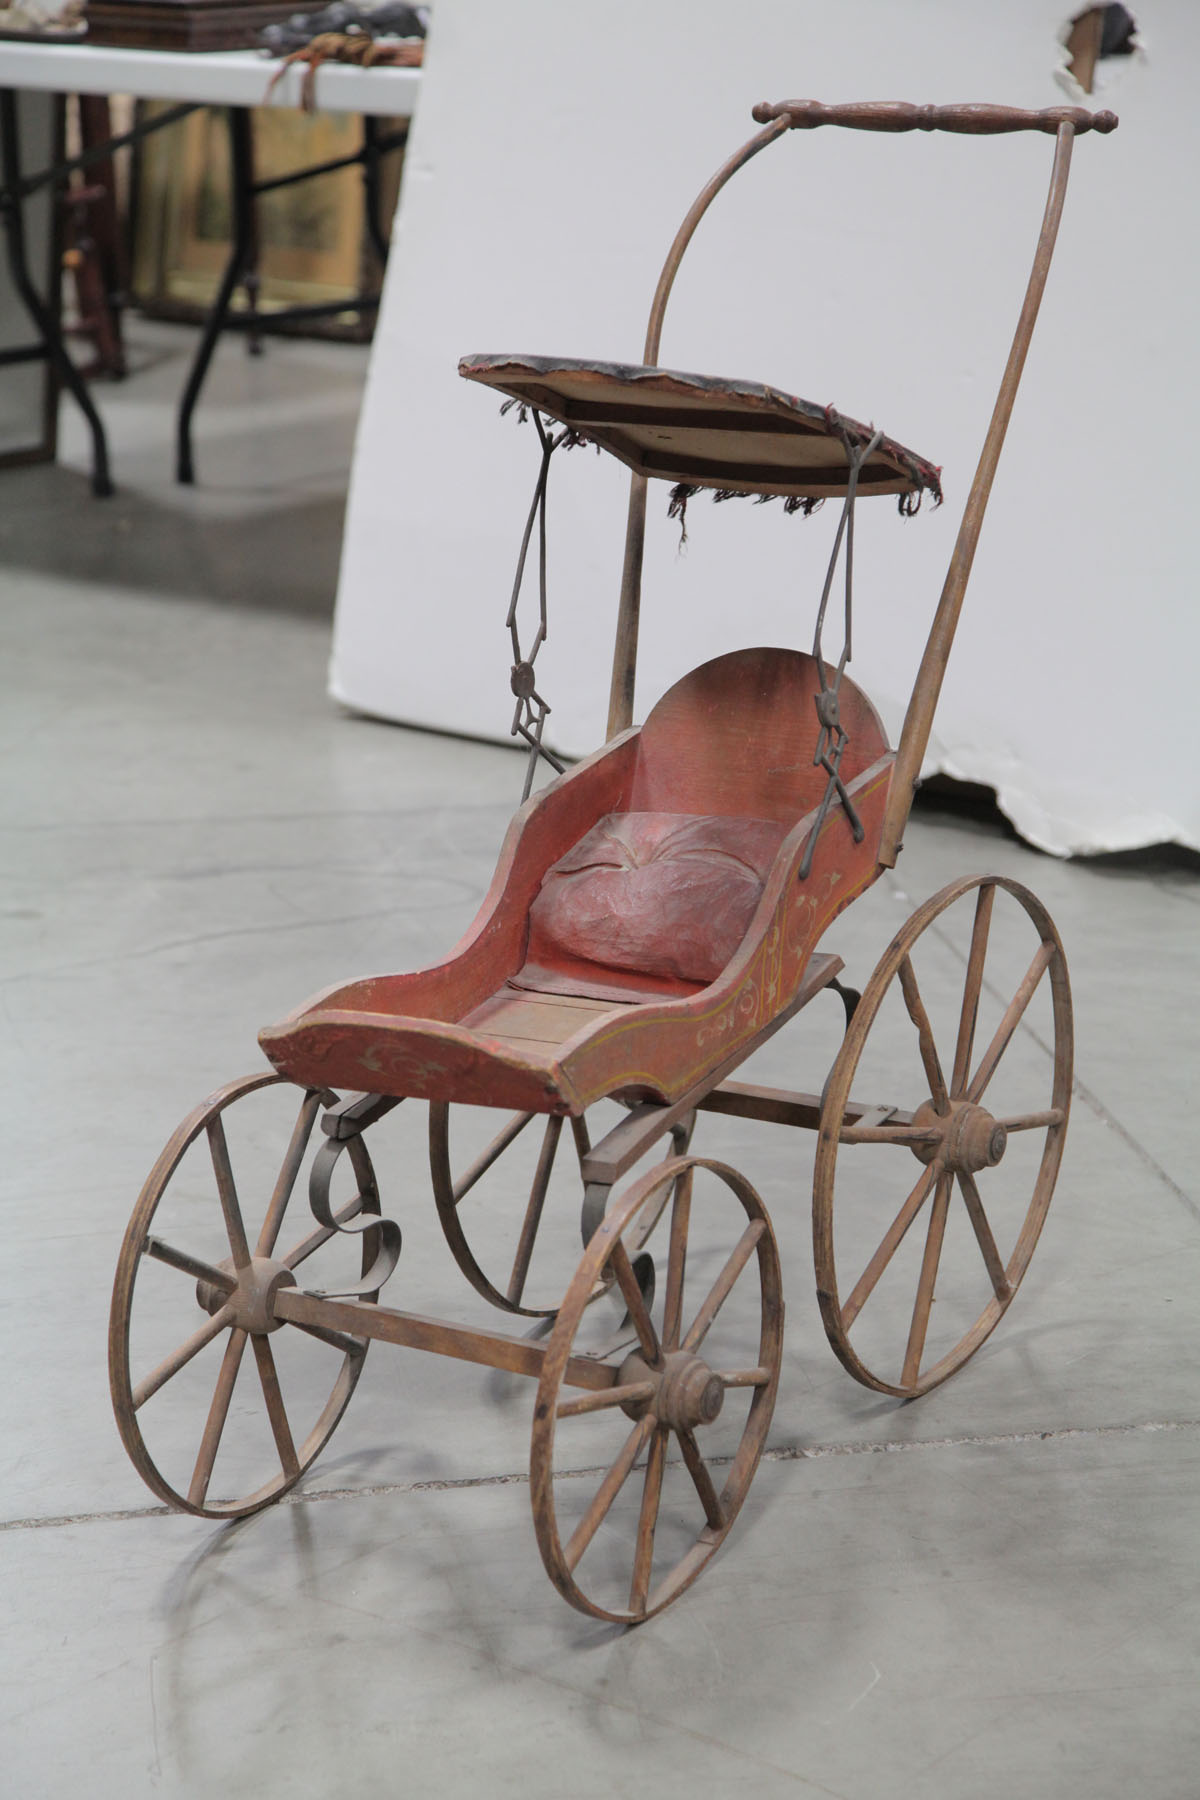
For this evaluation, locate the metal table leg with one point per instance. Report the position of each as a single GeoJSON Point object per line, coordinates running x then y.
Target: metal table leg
{"type": "Point", "coordinates": [240, 271]}
{"type": "Point", "coordinates": [242, 267]}
{"type": "Point", "coordinates": [372, 157]}
{"type": "Point", "coordinates": [43, 316]}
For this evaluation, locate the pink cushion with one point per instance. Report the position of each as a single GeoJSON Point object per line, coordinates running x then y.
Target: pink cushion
{"type": "Point", "coordinates": [666, 894]}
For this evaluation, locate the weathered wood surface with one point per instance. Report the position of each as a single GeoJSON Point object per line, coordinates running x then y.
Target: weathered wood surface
{"type": "Point", "coordinates": [440, 1337]}
{"type": "Point", "coordinates": [736, 737]}
{"type": "Point", "coordinates": [738, 436]}
{"type": "Point", "coordinates": [782, 1106]}
{"type": "Point", "coordinates": [629, 1140]}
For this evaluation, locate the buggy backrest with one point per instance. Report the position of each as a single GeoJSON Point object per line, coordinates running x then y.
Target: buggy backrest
{"type": "Point", "coordinates": [735, 739]}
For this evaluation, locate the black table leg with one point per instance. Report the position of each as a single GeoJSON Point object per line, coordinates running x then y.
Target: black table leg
{"type": "Point", "coordinates": [240, 270]}
{"type": "Point", "coordinates": [372, 156]}
{"type": "Point", "coordinates": [43, 316]}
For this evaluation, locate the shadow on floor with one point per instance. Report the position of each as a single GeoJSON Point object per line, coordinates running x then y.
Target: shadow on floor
{"type": "Point", "coordinates": [280, 559]}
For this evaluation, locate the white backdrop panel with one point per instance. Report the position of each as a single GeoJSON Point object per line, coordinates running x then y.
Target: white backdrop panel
{"type": "Point", "coordinates": [554, 152]}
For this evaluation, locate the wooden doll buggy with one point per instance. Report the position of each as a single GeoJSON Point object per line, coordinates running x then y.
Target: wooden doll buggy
{"type": "Point", "coordinates": [655, 916]}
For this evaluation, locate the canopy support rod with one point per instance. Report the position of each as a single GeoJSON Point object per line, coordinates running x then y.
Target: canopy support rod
{"type": "Point", "coordinates": [918, 720]}
{"type": "Point", "coordinates": [624, 670]}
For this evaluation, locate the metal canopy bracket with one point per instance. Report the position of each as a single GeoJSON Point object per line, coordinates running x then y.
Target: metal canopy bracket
{"type": "Point", "coordinates": [529, 716]}
{"type": "Point", "coordinates": [832, 737]}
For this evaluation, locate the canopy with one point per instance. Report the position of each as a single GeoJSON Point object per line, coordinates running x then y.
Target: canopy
{"type": "Point", "coordinates": [737, 436]}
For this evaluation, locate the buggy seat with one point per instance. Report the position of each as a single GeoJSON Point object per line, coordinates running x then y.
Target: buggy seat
{"type": "Point", "coordinates": [645, 919]}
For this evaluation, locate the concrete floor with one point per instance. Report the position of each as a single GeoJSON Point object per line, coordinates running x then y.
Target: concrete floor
{"type": "Point", "coordinates": [990, 1592]}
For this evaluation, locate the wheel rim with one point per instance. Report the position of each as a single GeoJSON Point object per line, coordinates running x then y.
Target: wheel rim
{"type": "Point", "coordinates": [689, 1416]}
{"type": "Point", "coordinates": [943, 1206]}
{"type": "Point", "coordinates": [521, 1268]}
{"type": "Point", "coordinates": [221, 1408]}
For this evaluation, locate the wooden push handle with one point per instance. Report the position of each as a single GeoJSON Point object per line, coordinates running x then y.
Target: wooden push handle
{"type": "Point", "coordinates": [901, 115]}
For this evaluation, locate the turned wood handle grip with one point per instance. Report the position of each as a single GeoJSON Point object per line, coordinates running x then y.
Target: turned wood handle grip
{"type": "Point", "coordinates": [901, 115]}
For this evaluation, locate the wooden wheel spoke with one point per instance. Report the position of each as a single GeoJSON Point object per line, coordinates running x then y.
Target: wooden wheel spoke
{"type": "Point", "coordinates": [677, 1262]}
{"type": "Point", "coordinates": [972, 988]}
{"type": "Point", "coordinates": [643, 1556]}
{"type": "Point", "coordinates": [180, 1358]}
{"type": "Point", "coordinates": [187, 1264]}
{"type": "Point", "coordinates": [1034, 1121]}
{"type": "Point", "coordinates": [632, 1294]}
{"type": "Point", "coordinates": [638, 1234]}
{"type": "Point", "coordinates": [608, 1490]}
{"type": "Point", "coordinates": [642, 1567]}
{"type": "Point", "coordinates": [928, 1281]}
{"type": "Point", "coordinates": [724, 1284]}
{"type": "Point", "coordinates": [906, 1135]}
{"type": "Point", "coordinates": [289, 1169]}
{"type": "Point", "coordinates": [206, 1421]}
{"type": "Point", "coordinates": [930, 1060]}
{"type": "Point", "coordinates": [697, 1468]}
{"type": "Point", "coordinates": [892, 1239]}
{"type": "Point", "coordinates": [961, 1139]}
{"type": "Point", "coordinates": [306, 1247]}
{"type": "Point", "coordinates": [1013, 1015]}
{"type": "Point", "coordinates": [533, 1212]}
{"type": "Point", "coordinates": [218, 1412]}
{"type": "Point", "coordinates": [337, 1340]}
{"type": "Point", "coordinates": [983, 1232]}
{"type": "Point", "coordinates": [268, 1377]}
{"type": "Point", "coordinates": [226, 1188]}
{"type": "Point", "coordinates": [632, 1393]}
{"type": "Point", "coordinates": [494, 1151]}
{"type": "Point", "coordinates": [742, 1378]}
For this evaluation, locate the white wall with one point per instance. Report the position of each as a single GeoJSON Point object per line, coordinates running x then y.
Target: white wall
{"type": "Point", "coordinates": [554, 152]}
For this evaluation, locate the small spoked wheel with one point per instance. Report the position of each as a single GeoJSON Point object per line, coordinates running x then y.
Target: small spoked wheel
{"type": "Point", "coordinates": [220, 1405]}
{"type": "Point", "coordinates": [508, 1192]}
{"type": "Point", "coordinates": [640, 1463]}
{"type": "Point", "coordinates": [976, 1157]}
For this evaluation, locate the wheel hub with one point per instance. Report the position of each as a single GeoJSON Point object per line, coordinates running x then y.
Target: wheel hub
{"type": "Point", "coordinates": [687, 1394]}
{"type": "Point", "coordinates": [970, 1138]}
{"type": "Point", "coordinates": [253, 1299]}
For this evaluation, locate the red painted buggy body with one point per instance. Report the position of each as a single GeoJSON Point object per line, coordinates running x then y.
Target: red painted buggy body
{"type": "Point", "coordinates": [732, 740]}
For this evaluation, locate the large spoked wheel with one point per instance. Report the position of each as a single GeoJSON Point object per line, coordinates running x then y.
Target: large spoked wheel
{"type": "Point", "coordinates": [636, 1484]}
{"type": "Point", "coordinates": [508, 1194]}
{"type": "Point", "coordinates": [218, 1228]}
{"type": "Point", "coordinates": [976, 1158]}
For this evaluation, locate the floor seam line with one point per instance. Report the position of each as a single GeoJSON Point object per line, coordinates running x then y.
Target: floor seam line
{"type": "Point", "coordinates": [1094, 1103]}
{"type": "Point", "coordinates": [520, 1477]}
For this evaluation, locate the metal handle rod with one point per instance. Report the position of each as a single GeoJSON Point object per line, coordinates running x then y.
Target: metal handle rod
{"type": "Point", "coordinates": [778, 119]}
{"type": "Point", "coordinates": [918, 720]}
{"type": "Point", "coordinates": [624, 669]}
{"type": "Point", "coordinates": [900, 115]}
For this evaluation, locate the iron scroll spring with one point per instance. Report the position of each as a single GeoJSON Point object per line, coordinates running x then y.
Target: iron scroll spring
{"type": "Point", "coordinates": [832, 737]}
{"type": "Point", "coordinates": [529, 716]}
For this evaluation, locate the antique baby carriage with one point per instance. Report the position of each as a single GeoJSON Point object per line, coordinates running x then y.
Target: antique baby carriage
{"type": "Point", "coordinates": [655, 917]}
